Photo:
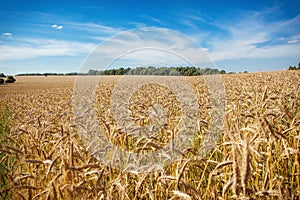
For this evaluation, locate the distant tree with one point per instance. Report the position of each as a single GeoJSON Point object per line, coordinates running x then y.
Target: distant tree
{"type": "Point", "coordinates": [120, 71]}
{"type": "Point", "coordinates": [174, 72]}
{"type": "Point", "coordinates": [111, 72]}
{"type": "Point", "coordinates": [163, 71]}
{"type": "Point", "coordinates": [245, 72]}
{"type": "Point", "coordinates": [222, 71]}
{"type": "Point", "coordinates": [92, 72]}
{"type": "Point", "coordinates": [2, 75]}
{"type": "Point", "coordinates": [189, 71]}
{"type": "Point", "coordinates": [73, 74]}
{"type": "Point", "coordinates": [10, 79]}
{"type": "Point", "coordinates": [144, 71]}
{"type": "Point", "coordinates": [205, 71]}
{"type": "Point", "coordinates": [180, 70]}
{"type": "Point", "coordinates": [151, 70]}
{"type": "Point", "coordinates": [292, 68]}
{"type": "Point", "coordinates": [1, 80]}
{"type": "Point", "coordinates": [129, 72]}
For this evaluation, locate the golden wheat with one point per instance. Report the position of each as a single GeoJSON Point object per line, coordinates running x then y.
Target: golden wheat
{"type": "Point", "coordinates": [257, 155]}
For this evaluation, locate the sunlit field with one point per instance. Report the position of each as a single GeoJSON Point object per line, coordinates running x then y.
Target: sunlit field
{"type": "Point", "coordinates": [256, 156]}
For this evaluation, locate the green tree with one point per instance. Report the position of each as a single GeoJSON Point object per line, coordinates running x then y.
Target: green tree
{"type": "Point", "coordinates": [173, 72]}
{"type": "Point", "coordinates": [92, 72]}
{"type": "Point", "coordinates": [120, 71]}
{"type": "Point", "coordinates": [292, 68]}
{"type": "Point", "coordinates": [10, 79]}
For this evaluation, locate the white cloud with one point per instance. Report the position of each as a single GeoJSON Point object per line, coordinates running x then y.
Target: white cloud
{"type": "Point", "coordinates": [32, 48]}
{"type": "Point", "coordinates": [28, 48]}
{"type": "Point", "coordinates": [149, 46]}
{"type": "Point", "coordinates": [236, 49]}
{"type": "Point", "coordinates": [92, 28]}
{"type": "Point", "coordinates": [55, 26]}
{"type": "Point", "coordinates": [292, 41]}
{"type": "Point", "coordinates": [8, 35]}
{"type": "Point", "coordinates": [252, 37]}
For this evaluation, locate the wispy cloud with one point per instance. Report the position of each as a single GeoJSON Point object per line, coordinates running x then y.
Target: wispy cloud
{"type": "Point", "coordinates": [33, 48]}
{"type": "Point", "coordinates": [292, 41]}
{"type": "Point", "coordinates": [138, 24]}
{"type": "Point", "coordinates": [189, 24]}
{"type": "Point", "coordinates": [36, 47]}
{"type": "Point", "coordinates": [90, 27]}
{"type": "Point", "coordinates": [153, 19]}
{"type": "Point", "coordinates": [196, 18]}
{"type": "Point", "coordinates": [251, 36]}
{"type": "Point", "coordinates": [148, 21]}
{"type": "Point", "coordinates": [149, 46]}
{"type": "Point", "coordinates": [244, 34]}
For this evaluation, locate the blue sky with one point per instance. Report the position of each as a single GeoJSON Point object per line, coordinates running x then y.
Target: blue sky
{"type": "Point", "coordinates": [57, 36]}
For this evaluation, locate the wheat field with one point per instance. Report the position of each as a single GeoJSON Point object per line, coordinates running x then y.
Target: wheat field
{"type": "Point", "coordinates": [42, 156]}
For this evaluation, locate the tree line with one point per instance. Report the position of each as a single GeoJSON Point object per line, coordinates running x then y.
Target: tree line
{"type": "Point", "coordinates": [51, 74]}
{"type": "Point", "coordinates": [159, 71]}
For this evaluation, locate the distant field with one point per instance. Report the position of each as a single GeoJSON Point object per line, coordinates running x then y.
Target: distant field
{"type": "Point", "coordinates": [25, 83]}
{"type": "Point", "coordinates": [256, 156]}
